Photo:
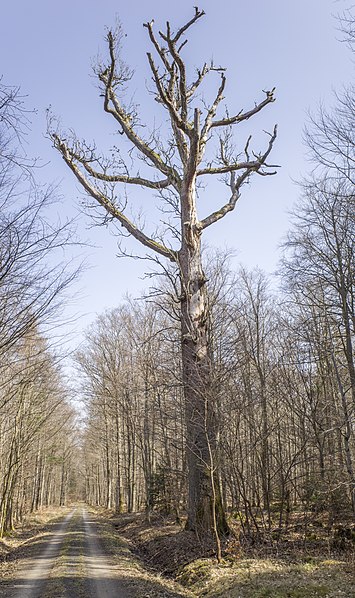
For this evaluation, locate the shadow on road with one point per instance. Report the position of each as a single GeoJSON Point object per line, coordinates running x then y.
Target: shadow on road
{"type": "Point", "coordinates": [69, 561]}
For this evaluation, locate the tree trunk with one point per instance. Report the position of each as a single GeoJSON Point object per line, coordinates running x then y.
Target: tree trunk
{"type": "Point", "coordinates": [204, 497]}
{"type": "Point", "coordinates": [118, 490]}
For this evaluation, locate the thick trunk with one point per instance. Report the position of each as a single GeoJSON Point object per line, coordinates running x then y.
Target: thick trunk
{"type": "Point", "coordinates": [205, 510]}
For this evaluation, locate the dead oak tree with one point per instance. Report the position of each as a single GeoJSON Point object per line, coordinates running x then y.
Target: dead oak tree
{"type": "Point", "coordinates": [179, 165]}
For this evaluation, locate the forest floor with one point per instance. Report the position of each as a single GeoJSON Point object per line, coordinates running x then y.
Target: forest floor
{"type": "Point", "coordinates": [324, 566]}
{"type": "Point", "coordinates": [82, 553]}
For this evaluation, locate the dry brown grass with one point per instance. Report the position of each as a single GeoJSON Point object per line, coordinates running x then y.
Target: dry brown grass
{"type": "Point", "coordinates": [286, 569]}
{"type": "Point", "coordinates": [271, 578]}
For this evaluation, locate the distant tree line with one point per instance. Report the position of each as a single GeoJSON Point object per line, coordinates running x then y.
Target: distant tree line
{"type": "Point", "coordinates": [36, 420]}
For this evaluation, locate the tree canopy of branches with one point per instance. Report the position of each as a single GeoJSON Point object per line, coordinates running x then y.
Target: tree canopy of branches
{"type": "Point", "coordinates": [330, 134]}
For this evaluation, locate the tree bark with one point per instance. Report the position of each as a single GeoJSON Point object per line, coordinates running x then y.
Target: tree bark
{"type": "Point", "coordinates": [201, 421]}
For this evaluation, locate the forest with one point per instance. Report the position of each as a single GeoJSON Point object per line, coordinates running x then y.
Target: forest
{"type": "Point", "coordinates": [217, 409]}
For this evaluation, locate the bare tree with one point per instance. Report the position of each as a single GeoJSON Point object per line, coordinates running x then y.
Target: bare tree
{"type": "Point", "coordinates": [134, 415]}
{"type": "Point", "coordinates": [34, 274]}
{"type": "Point", "coordinates": [35, 417]}
{"type": "Point", "coordinates": [330, 133]}
{"type": "Point", "coordinates": [14, 124]}
{"type": "Point", "coordinates": [322, 247]}
{"type": "Point", "coordinates": [320, 271]}
{"type": "Point", "coordinates": [181, 164]}
{"type": "Point", "coordinates": [34, 270]}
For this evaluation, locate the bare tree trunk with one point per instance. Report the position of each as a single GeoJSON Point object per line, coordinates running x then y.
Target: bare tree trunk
{"type": "Point", "coordinates": [201, 423]}
{"type": "Point", "coordinates": [347, 435]}
{"type": "Point", "coordinates": [118, 489]}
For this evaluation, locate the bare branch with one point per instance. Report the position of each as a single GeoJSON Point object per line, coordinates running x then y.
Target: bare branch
{"type": "Point", "coordinates": [166, 100]}
{"type": "Point", "coordinates": [161, 51]}
{"type": "Point", "coordinates": [235, 184]}
{"type": "Point", "coordinates": [109, 206]}
{"type": "Point", "coordinates": [118, 178]}
{"type": "Point", "coordinates": [246, 115]}
{"type": "Point", "coordinates": [230, 205]}
{"type": "Point", "coordinates": [181, 31]}
{"type": "Point", "coordinates": [124, 119]}
{"type": "Point", "coordinates": [200, 76]}
{"type": "Point", "coordinates": [167, 95]}
{"type": "Point", "coordinates": [212, 111]}
{"type": "Point", "coordinates": [182, 79]}
{"type": "Point", "coordinates": [253, 165]}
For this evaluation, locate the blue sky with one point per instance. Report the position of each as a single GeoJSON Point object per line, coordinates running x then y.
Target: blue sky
{"type": "Point", "coordinates": [48, 48]}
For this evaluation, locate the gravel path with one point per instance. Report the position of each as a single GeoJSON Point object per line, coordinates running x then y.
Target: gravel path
{"type": "Point", "coordinates": [101, 571]}
{"type": "Point", "coordinates": [81, 557]}
{"type": "Point", "coordinates": [34, 572]}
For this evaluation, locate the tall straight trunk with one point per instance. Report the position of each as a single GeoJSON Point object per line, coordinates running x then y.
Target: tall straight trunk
{"type": "Point", "coordinates": [265, 451]}
{"type": "Point", "coordinates": [147, 459]}
{"type": "Point", "coordinates": [204, 497]}
{"type": "Point", "coordinates": [108, 474]}
{"type": "Point", "coordinates": [129, 458]}
{"type": "Point", "coordinates": [348, 343]}
{"type": "Point", "coordinates": [118, 490]}
{"type": "Point", "coordinates": [347, 435]}
{"type": "Point", "coordinates": [344, 272]}
{"type": "Point", "coordinates": [63, 480]}
{"type": "Point", "coordinates": [98, 486]}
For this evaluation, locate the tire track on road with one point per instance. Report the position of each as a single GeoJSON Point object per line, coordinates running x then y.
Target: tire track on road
{"type": "Point", "coordinates": [34, 573]}
{"type": "Point", "coordinates": [101, 572]}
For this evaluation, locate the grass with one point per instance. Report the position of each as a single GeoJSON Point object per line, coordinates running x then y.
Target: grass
{"type": "Point", "coordinates": [141, 581]}
{"type": "Point", "coordinates": [270, 578]}
{"type": "Point", "coordinates": [286, 569]}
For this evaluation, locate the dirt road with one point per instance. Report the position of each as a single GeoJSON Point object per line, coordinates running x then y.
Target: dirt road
{"type": "Point", "coordinates": [82, 557]}
{"type": "Point", "coordinates": [34, 572]}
